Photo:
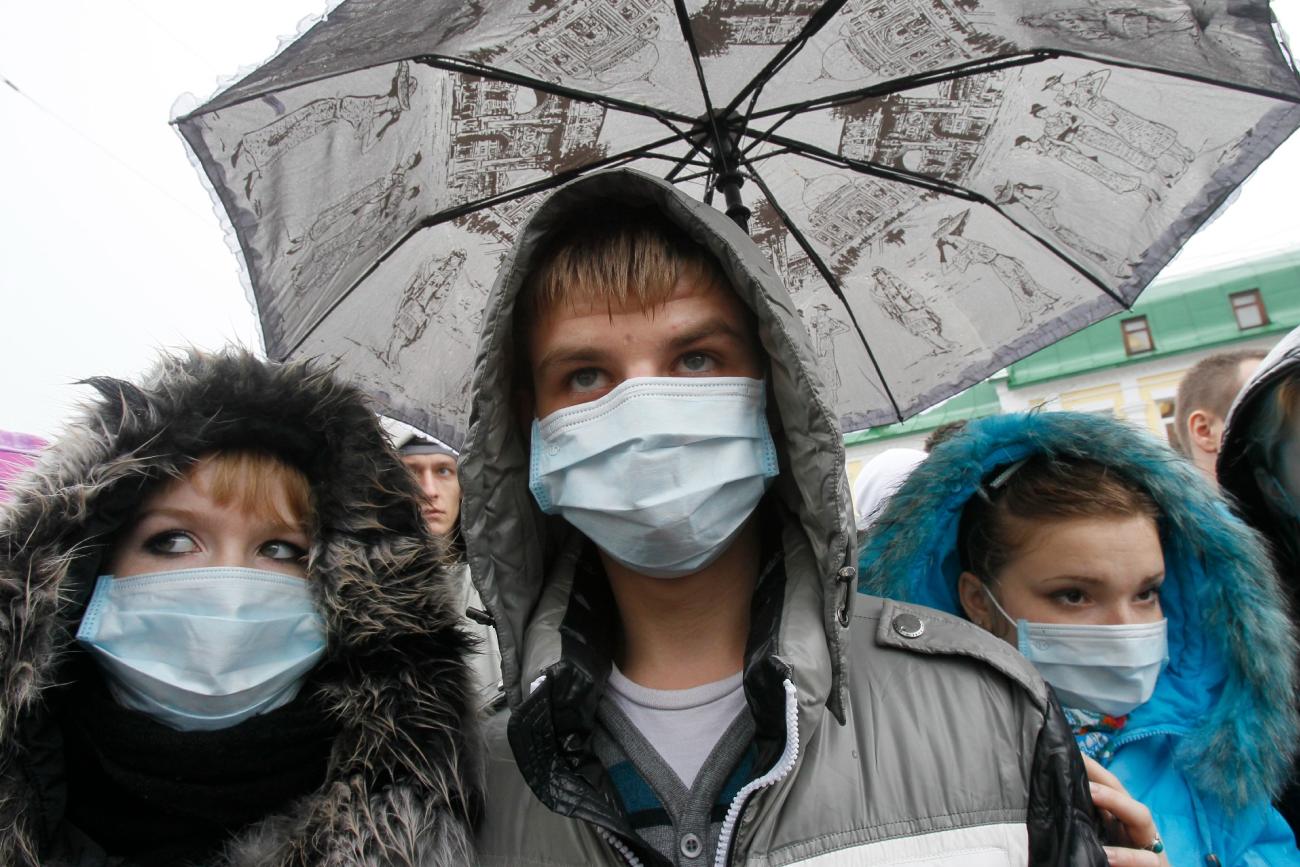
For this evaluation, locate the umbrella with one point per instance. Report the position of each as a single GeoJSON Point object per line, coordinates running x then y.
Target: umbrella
{"type": "Point", "coordinates": [945, 185]}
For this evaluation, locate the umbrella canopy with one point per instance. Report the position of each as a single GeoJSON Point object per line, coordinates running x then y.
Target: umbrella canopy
{"type": "Point", "coordinates": [945, 185]}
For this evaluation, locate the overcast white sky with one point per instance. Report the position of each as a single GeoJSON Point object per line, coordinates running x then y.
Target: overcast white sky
{"type": "Point", "coordinates": [109, 248]}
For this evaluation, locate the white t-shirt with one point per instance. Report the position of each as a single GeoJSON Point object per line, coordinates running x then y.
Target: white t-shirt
{"type": "Point", "coordinates": [683, 725]}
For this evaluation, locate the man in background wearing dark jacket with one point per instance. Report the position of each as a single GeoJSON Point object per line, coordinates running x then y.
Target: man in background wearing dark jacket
{"type": "Point", "coordinates": [657, 516]}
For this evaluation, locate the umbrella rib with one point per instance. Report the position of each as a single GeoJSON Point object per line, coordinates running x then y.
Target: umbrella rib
{"type": "Point", "coordinates": [830, 279]}
{"type": "Point", "coordinates": [891, 173]}
{"type": "Point", "coordinates": [671, 177]}
{"type": "Point", "coordinates": [943, 187]}
{"type": "Point", "coordinates": [1189, 76]}
{"type": "Point", "coordinates": [466, 67]}
{"type": "Point", "coordinates": [908, 82]}
{"type": "Point", "coordinates": [810, 29]}
{"type": "Point", "coordinates": [482, 204]}
{"type": "Point", "coordinates": [684, 22]}
{"type": "Point", "coordinates": [993, 64]}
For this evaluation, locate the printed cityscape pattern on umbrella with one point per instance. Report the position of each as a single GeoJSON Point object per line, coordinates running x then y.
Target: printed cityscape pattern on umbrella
{"type": "Point", "coordinates": [944, 185]}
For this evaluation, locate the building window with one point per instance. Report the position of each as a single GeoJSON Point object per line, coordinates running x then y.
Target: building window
{"type": "Point", "coordinates": [1165, 406]}
{"type": "Point", "coordinates": [1248, 307]}
{"type": "Point", "coordinates": [1137, 335]}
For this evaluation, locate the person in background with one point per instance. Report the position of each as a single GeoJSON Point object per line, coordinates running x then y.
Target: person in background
{"type": "Point", "coordinates": [1201, 405]}
{"type": "Point", "coordinates": [223, 638]}
{"type": "Point", "coordinates": [18, 451]}
{"type": "Point", "coordinates": [878, 479]}
{"type": "Point", "coordinates": [943, 433]}
{"type": "Point", "coordinates": [657, 515]}
{"type": "Point", "coordinates": [1149, 608]}
{"type": "Point", "coordinates": [1259, 468]}
{"type": "Point", "coordinates": [434, 466]}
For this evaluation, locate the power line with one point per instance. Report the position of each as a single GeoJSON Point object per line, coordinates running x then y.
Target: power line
{"type": "Point", "coordinates": [207, 219]}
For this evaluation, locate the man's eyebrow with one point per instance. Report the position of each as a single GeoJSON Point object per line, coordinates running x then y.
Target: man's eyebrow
{"type": "Point", "coordinates": [570, 355]}
{"type": "Point", "coordinates": [717, 326]}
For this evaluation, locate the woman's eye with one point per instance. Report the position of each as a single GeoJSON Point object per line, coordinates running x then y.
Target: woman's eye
{"type": "Point", "coordinates": [278, 549]}
{"type": "Point", "coordinates": [587, 379]}
{"type": "Point", "coordinates": [1151, 594]}
{"type": "Point", "coordinates": [171, 542]}
{"type": "Point", "coordinates": [1071, 597]}
{"type": "Point", "coordinates": [696, 362]}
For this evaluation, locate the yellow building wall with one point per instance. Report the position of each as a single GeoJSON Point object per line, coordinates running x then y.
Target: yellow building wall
{"type": "Point", "coordinates": [1154, 388]}
{"type": "Point", "coordinates": [1109, 396]}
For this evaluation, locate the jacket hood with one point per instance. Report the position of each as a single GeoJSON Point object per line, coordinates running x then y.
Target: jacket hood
{"type": "Point", "coordinates": [511, 544]}
{"type": "Point", "coordinates": [1235, 471]}
{"type": "Point", "coordinates": [393, 679]}
{"type": "Point", "coordinates": [1228, 686]}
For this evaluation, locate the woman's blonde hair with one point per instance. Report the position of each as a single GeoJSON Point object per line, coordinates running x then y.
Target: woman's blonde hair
{"type": "Point", "coordinates": [259, 483]}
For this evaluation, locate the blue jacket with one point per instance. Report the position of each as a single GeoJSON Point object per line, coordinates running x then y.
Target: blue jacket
{"type": "Point", "coordinates": [1215, 740]}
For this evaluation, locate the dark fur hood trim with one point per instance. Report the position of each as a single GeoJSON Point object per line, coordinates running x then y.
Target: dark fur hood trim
{"type": "Point", "coordinates": [402, 780]}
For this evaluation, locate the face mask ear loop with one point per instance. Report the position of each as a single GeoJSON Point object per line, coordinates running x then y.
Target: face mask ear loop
{"type": "Point", "coordinates": [998, 606]}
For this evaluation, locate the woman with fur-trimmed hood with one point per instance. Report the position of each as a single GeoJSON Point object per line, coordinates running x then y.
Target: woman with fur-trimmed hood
{"type": "Point", "coordinates": [226, 636]}
{"type": "Point", "coordinates": [1109, 563]}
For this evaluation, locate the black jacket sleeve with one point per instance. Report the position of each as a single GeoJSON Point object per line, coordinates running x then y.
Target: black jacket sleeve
{"type": "Point", "coordinates": [1062, 828]}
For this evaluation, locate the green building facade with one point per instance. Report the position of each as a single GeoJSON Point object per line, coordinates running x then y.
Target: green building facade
{"type": "Point", "coordinates": [1129, 364]}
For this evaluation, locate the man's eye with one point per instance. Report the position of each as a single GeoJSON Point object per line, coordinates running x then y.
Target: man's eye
{"type": "Point", "coordinates": [171, 542]}
{"type": "Point", "coordinates": [278, 549]}
{"type": "Point", "coordinates": [587, 379]}
{"type": "Point", "coordinates": [697, 362]}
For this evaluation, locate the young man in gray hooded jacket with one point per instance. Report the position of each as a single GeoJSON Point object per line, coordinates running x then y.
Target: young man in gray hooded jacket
{"type": "Point", "coordinates": [658, 518]}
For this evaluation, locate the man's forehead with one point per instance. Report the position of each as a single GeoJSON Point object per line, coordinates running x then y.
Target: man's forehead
{"type": "Point", "coordinates": [615, 303]}
{"type": "Point", "coordinates": [428, 460]}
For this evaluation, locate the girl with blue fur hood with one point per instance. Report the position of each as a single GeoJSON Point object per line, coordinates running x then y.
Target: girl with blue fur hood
{"type": "Point", "coordinates": [1139, 597]}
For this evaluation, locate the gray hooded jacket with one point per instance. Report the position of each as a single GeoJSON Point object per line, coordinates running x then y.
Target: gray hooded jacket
{"type": "Point", "coordinates": [885, 733]}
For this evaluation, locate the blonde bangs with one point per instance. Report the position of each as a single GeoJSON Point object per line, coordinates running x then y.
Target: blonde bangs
{"type": "Point", "coordinates": [257, 483]}
{"type": "Point", "coordinates": [630, 267]}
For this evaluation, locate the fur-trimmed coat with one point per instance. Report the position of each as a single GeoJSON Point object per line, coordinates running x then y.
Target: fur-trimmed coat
{"type": "Point", "coordinates": [1213, 743]}
{"type": "Point", "coordinates": [401, 785]}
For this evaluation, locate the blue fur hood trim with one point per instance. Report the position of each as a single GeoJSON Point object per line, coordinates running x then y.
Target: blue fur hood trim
{"type": "Point", "coordinates": [1229, 682]}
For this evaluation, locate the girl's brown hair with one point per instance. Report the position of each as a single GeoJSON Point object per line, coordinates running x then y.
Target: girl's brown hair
{"type": "Point", "coordinates": [1041, 488]}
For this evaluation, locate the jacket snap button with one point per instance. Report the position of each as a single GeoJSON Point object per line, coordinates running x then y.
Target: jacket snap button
{"type": "Point", "coordinates": [1212, 860]}
{"type": "Point", "coordinates": [691, 846]}
{"type": "Point", "coordinates": [909, 626]}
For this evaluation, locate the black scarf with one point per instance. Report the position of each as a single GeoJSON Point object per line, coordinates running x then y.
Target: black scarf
{"type": "Point", "coordinates": [156, 795]}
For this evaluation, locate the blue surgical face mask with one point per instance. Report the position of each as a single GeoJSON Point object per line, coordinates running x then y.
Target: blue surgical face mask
{"type": "Point", "coordinates": [1107, 669]}
{"type": "Point", "coordinates": [203, 649]}
{"type": "Point", "coordinates": [660, 473]}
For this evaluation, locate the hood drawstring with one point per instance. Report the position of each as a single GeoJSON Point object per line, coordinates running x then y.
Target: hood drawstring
{"type": "Point", "coordinates": [784, 765]}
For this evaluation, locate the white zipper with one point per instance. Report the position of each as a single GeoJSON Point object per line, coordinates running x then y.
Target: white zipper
{"type": "Point", "coordinates": [620, 847]}
{"type": "Point", "coordinates": [784, 765]}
